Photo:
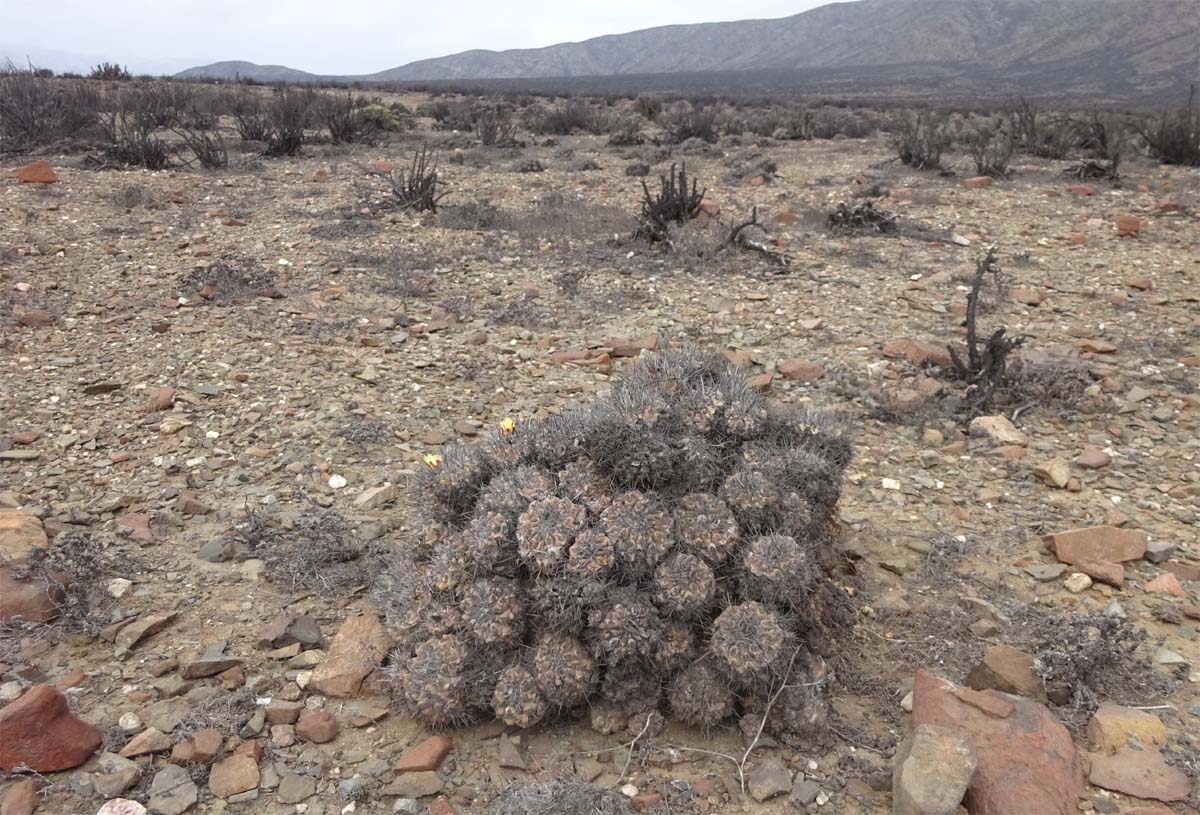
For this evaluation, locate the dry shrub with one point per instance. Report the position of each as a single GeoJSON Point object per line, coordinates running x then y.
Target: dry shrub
{"type": "Point", "coordinates": [317, 551]}
{"type": "Point", "coordinates": [558, 797]}
{"type": "Point", "coordinates": [920, 137]}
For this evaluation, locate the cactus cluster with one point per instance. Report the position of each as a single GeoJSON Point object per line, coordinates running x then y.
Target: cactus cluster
{"type": "Point", "coordinates": [663, 551]}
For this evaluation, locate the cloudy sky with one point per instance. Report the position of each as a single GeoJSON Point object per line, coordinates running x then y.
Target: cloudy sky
{"type": "Point", "coordinates": [329, 36]}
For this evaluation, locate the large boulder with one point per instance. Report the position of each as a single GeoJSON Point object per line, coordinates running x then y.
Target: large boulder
{"type": "Point", "coordinates": [1026, 759]}
{"type": "Point", "coordinates": [39, 731]}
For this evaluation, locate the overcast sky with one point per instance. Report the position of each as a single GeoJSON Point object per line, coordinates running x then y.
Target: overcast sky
{"type": "Point", "coordinates": [331, 36]}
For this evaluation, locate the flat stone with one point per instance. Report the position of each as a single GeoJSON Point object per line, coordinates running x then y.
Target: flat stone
{"type": "Point", "coordinates": [415, 785]}
{"type": "Point", "coordinates": [1093, 458]}
{"type": "Point", "coordinates": [1113, 726]}
{"type": "Point", "coordinates": [359, 646]}
{"type": "Point", "coordinates": [426, 756]}
{"type": "Point", "coordinates": [1098, 543]}
{"type": "Point", "coordinates": [294, 788]}
{"type": "Point", "coordinates": [1045, 572]}
{"type": "Point", "coordinates": [135, 632]}
{"type": "Point", "coordinates": [1160, 551]}
{"type": "Point", "coordinates": [1140, 773]}
{"type": "Point", "coordinates": [150, 740]}
{"type": "Point", "coordinates": [1008, 670]}
{"type": "Point", "coordinates": [172, 792]}
{"type": "Point", "coordinates": [1165, 583]}
{"type": "Point", "coordinates": [1056, 472]}
{"type": "Point", "coordinates": [770, 779]}
{"type": "Point", "coordinates": [233, 775]}
{"type": "Point", "coordinates": [999, 430]}
{"type": "Point", "coordinates": [213, 661]}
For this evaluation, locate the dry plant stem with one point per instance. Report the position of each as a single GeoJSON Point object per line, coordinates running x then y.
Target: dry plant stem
{"type": "Point", "coordinates": [632, 744]}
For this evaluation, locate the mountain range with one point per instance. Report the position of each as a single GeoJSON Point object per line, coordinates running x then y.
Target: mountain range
{"type": "Point", "coordinates": [1119, 49]}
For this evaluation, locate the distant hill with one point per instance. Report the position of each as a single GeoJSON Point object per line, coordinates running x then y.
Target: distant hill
{"type": "Point", "coordinates": [1113, 48]}
{"type": "Point", "coordinates": [238, 69]}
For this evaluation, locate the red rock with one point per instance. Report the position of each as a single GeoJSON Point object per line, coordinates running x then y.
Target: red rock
{"type": "Point", "coordinates": [1081, 189]}
{"type": "Point", "coordinates": [1187, 572]}
{"type": "Point", "coordinates": [35, 318]}
{"type": "Point", "coordinates": [917, 353]}
{"type": "Point", "coordinates": [978, 182]}
{"type": "Point", "coordinates": [1165, 583]}
{"type": "Point", "coordinates": [441, 806]}
{"type": "Point", "coordinates": [1140, 773]}
{"type": "Point", "coordinates": [646, 800]}
{"type": "Point", "coordinates": [709, 207]}
{"type": "Point", "coordinates": [1008, 670]}
{"type": "Point", "coordinates": [317, 726]}
{"type": "Point", "coordinates": [1093, 458]}
{"type": "Point", "coordinates": [39, 172]}
{"type": "Point", "coordinates": [319, 176]}
{"type": "Point", "coordinates": [761, 382]}
{"type": "Point", "coordinates": [252, 748]}
{"type": "Point", "coordinates": [1102, 571]}
{"type": "Point", "coordinates": [1098, 543]}
{"type": "Point", "coordinates": [206, 745]}
{"type": "Point", "coordinates": [1027, 761]}
{"type": "Point", "coordinates": [21, 798]}
{"type": "Point", "coordinates": [72, 678]}
{"type": "Point", "coordinates": [1029, 297]}
{"type": "Point", "coordinates": [188, 503]}
{"type": "Point", "coordinates": [233, 775]}
{"type": "Point", "coordinates": [426, 756]}
{"type": "Point", "coordinates": [382, 166]}
{"type": "Point", "coordinates": [1169, 206]}
{"type": "Point", "coordinates": [160, 399]}
{"type": "Point", "coordinates": [560, 357]}
{"type": "Point", "coordinates": [758, 181]}
{"type": "Point", "coordinates": [136, 526]}
{"type": "Point", "coordinates": [1128, 225]}
{"type": "Point", "coordinates": [1141, 284]}
{"type": "Point", "coordinates": [360, 645]}
{"type": "Point", "coordinates": [150, 740]}
{"type": "Point", "coordinates": [1097, 346]}
{"type": "Point", "coordinates": [800, 370]}
{"type": "Point", "coordinates": [39, 731]}
{"type": "Point", "coordinates": [31, 602]}
{"type": "Point", "coordinates": [234, 222]}
{"type": "Point", "coordinates": [631, 346]}
{"type": "Point", "coordinates": [703, 788]}
{"type": "Point", "coordinates": [786, 217]}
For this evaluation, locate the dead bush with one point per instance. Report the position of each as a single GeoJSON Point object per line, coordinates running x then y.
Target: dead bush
{"type": "Point", "coordinates": [471, 215]}
{"type": "Point", "coordinates": [287, 115]}
{"type": "Point", "coordinates": [686, 121]}
{"type": "Point", "coordinates": [1173, 137]}
{"type": "Point", "coordinates": [864, 217]}
{"type": "Point", "coordinates": [318, 551]}
{"type": "Point", "coordinates": [648, 106]}
{"type": "Point", "coordinates": [1042, 134]}
{"type": "Point", "coordinates": [73, 570]}
{"type": "Point", "coordinates": [920, 137]}
{"type": "Point", "coordinates": [573, 116]}
{"type": "Point", "coordinates": [558, 797]}
{"type": "Point", "coordinates": [229, 278]}
{"type": "Point", "coordinates": [36, 111]}
{"type": "Point", "coordinates": [494, 126]}
{"type": "Point", "coordinates": [990, 144]}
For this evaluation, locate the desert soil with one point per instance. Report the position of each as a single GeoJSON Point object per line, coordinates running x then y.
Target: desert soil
{"type": "Point", "coordinates": [440, 333]}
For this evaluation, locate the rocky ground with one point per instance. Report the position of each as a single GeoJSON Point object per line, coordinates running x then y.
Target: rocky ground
{"type": "Point", "coordinates": [184, 355]}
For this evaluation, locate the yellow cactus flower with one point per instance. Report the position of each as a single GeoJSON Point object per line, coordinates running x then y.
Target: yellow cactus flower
{"type": "Point", "coordinates": [507, 427]}
{"type": "Point", "coordinates": [432, 461]}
